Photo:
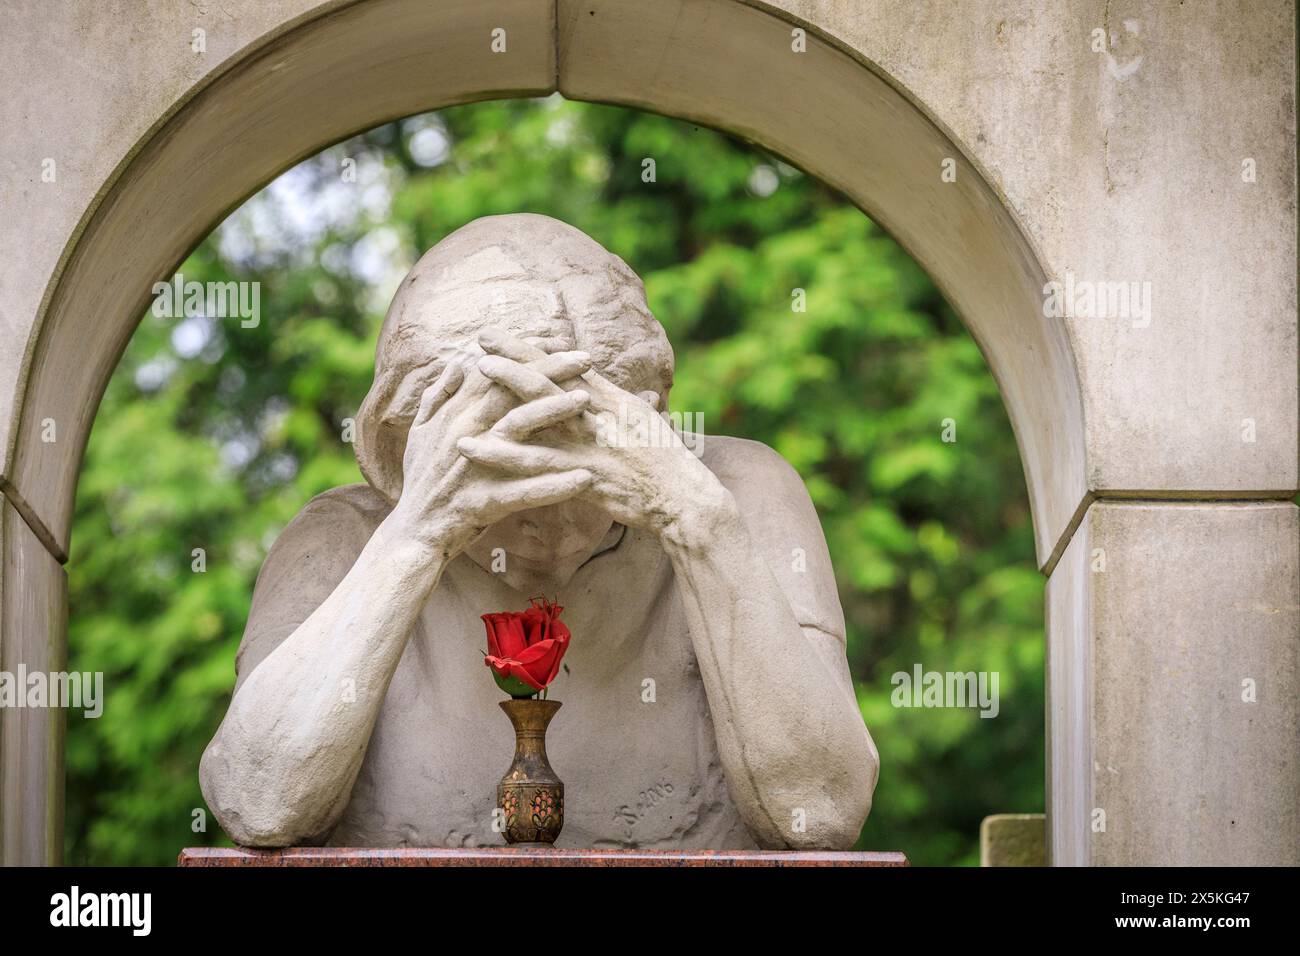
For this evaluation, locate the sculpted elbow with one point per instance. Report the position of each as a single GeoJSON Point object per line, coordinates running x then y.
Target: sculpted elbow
{"type": "Point", "coordinates": [834, 820]}
{"type": "Point", "coordinates": [846, 825]}
{"type": "Point", "coordinates": [251, 815]}
{"type": "Point", "coordinates": [829, 825]}
{"type": "Point", "coordinates": [266, 833]}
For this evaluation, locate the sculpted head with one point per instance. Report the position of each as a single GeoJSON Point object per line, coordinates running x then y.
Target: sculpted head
{"type": "Point", "coordinates": [548, 284]}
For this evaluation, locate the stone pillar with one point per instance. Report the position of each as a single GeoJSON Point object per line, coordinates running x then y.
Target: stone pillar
{"type": "Point", "coordinates": [1175, 636]}
{"type": "Point", "coordinates": [33, 633]}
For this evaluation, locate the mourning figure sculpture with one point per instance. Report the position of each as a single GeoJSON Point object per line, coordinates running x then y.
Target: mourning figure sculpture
{"type": "Point", "coordinates": [509, 450]}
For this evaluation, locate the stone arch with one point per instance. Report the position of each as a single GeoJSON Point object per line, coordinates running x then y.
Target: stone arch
{"type": "Point", "coordinates": [346, 66]}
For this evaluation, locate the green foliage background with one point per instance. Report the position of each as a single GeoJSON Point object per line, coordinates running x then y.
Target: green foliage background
{"type": "Point", "coordinates": [212, 436]}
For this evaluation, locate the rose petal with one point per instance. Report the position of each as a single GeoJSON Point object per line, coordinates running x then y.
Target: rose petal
{"type": "Point", "coordinates": [543, 660]}
{"type": "Point", "coordinates": [508, 631]}
{"type": "Point", "coordinates": [538, 662]}
{"type": "Point", "coordinates": [536, 625]}
{"type": "Point", "coordinates": [527, 645]}
{"type": "Point", "coordinates": [510, 668]}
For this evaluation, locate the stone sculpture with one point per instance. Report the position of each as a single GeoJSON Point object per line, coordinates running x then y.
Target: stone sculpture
{"type": "Point", "coordinates": [508, 450]}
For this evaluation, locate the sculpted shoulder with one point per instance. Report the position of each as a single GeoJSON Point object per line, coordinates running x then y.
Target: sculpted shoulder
{"type": "Point", "coordinates": [335, 524]}
{"type": "Point", "coordinates": [783, 524]}
{"type": "Point", "coordinates": [358, 502]}
{"type": "Point", "coordinates": [750, 470]}
{"type": "Point", "coordinates": [310, 557]}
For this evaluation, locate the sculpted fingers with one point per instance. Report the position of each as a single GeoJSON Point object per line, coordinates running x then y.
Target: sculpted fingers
{"type": "Point", "coordinates": [496, 453]}
{"type": "Point", "coordinates": [561, 366]}
{"type": "Point", "coordinates": [500, 342]}
{"type": "Point", "coordinates": [436, 395]}
{"type": "Point", "coordinates": [495, 341]}
{"type": "Point", "coordinates": [537, 379]}
{"type": "Point", "coordinates": [542, 413]}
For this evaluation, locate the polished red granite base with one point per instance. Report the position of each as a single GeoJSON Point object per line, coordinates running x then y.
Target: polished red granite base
{"type": "Point", "coordinates": [519, 856]}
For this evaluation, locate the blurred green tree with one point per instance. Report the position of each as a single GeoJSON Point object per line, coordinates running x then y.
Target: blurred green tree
{"type": "Point", "coordinates": [796, 322]}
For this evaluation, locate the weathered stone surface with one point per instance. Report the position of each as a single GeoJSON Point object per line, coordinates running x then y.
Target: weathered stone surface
{"type": "Point", "coordinates": [1179, 640]}
{"type": "Point", "coordinates": [33, 622]}
{"type": "Point", "coordinates": [1127, 165]}
{"type": "Point", "coordinates": [1013, 839]}
{"type": "Point", "coordinates": [168, 159]}
{"type": "Point", "coordinates": [84, 83]}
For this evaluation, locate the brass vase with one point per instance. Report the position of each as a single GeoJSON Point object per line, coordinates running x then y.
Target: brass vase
{"type": "Point", "coordinates": [530, 795]}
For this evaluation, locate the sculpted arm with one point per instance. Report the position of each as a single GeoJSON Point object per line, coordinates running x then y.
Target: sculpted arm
{"type": "Point", "coordinates": [281, 767]}
{"type": "Point", "coordinates": [800, 763]}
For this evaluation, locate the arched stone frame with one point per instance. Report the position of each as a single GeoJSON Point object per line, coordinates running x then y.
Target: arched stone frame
{"type": "Point", "coordinates": [347, 67]}
{"type": "Point", "coordinates": [344, 66]}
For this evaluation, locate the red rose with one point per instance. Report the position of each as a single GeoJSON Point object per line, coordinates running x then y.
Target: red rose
{"type": "Point", "coordinates": [525, 647]}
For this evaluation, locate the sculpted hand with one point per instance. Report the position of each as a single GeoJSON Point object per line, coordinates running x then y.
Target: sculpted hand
{"type": "Point", "coordinates": [447, 501]}
{"type": "Point", "coordinates": [641, 472]}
